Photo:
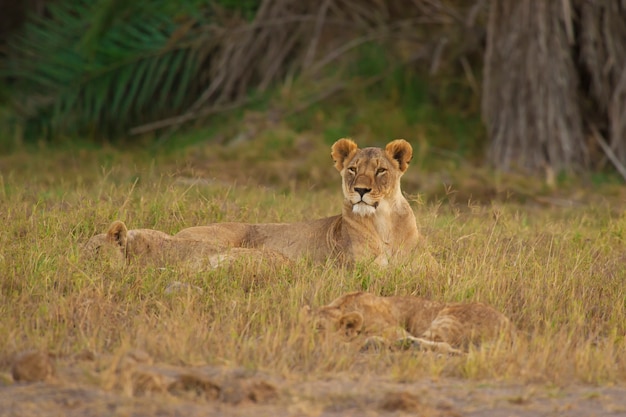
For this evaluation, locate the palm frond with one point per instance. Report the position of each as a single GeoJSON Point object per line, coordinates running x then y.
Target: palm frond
{"type": "Point", "coordinates": [126, 69]}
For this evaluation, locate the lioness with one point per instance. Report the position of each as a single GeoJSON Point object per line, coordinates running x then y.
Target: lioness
{"type": "Point", "coordinates": [118, 245]}
{"type": "Point", "coordinates": [376, 222]}
{"type": "Point", "coordinates": [444, 327]}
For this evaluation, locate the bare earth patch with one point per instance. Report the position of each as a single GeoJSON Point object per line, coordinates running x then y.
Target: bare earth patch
{"type": "Point", "coordinates": [137, 387]}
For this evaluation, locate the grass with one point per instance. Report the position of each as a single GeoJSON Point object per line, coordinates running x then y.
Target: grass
{"type": "Point", "coordinates": [557, 272]}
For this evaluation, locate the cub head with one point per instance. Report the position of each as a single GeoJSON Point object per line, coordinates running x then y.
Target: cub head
{"type": "Point", "coordinates": [120, 244]}
{"type": "Point", "coordinates": [332, 319]}
{"type": "Point", "coordinates": [109, 246]}
{"type": "Point", "coordinates": [371, 175]}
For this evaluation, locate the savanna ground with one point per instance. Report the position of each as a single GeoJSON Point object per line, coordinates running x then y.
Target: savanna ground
{"type": "Point", "coordinates": [124, 343]}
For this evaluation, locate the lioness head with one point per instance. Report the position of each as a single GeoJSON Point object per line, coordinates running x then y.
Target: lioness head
{"type": "Point", "coordinates": [371, 175]}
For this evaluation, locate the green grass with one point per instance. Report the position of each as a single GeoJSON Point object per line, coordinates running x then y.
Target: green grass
{"type": "Point", "coordinates": [558, 273]}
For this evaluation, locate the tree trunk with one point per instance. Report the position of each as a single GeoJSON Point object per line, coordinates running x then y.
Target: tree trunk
{"type": "Point", "coordinates": [554, 75]}
{"type": "Point", "coordinates": [530, 88]}
{"type": "Point", "coordinates": [603, 60]}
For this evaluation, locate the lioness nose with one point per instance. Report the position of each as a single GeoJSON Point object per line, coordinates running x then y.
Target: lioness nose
{"type": "Point", "coordinates": [362, 191]}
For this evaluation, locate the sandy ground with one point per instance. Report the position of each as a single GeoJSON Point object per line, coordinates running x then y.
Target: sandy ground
{"type": "Point", "coordinates": [133, 386]}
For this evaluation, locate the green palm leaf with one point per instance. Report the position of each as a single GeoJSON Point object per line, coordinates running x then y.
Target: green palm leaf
{"type": "Point", "coordinates": [104, 67]}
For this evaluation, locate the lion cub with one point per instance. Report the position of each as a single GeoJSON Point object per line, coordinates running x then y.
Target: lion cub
{"type": "Point", "coordinates": [443, 327]}
{"type": "Point", "coordinates": [120, 245]}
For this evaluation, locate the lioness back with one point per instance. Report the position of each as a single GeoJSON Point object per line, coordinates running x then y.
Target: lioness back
{"type": "Point", "coordinates": [293, 240]}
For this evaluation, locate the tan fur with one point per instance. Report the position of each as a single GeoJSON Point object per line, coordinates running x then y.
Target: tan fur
{"type": "Point", "coordinates": [431, 324]}
{"type": "Point", "coordinates": [120, 245]}
{"type": "Point", "coordinates": [376, 222]}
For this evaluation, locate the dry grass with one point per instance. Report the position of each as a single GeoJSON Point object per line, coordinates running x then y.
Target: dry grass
{"type": "Point", "coordinates": [558, 273]}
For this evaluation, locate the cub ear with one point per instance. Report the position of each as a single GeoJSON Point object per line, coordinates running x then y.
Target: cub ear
{"type": "Point", "coordinates": [305, 313]}
{"type": "Point", "coordinates": [351, 323]}
{"type": "Point", "coordinates": [401, 151]}
{"type": "Point", "coordinates": [341, 150]}
{"type": "Point", "coordinates": [118, 234]}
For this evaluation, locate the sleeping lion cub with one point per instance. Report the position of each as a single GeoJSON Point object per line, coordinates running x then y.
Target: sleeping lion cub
{"type": "Point", "coordinates": [376, 222]}
{"type": "Point", "coordinates": [442, 327]}
{"type": "Point", "coordinates": [120, 245]}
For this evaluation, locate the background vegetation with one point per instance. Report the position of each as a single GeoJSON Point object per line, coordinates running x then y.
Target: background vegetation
{"type": "Point", "coordinates": [551, 89]}
{"type": "Point", "coordinates": [137, 72]}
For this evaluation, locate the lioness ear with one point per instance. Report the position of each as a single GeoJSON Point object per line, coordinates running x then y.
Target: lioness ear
{"type": "Point", "coordinates": [341, 150]}
{"type": "Point", "coordinates": [401, 151]}
{"type": "Point", "coordinates": [351, 323]}
{"type": "Point", "coordinates": [118, 233]}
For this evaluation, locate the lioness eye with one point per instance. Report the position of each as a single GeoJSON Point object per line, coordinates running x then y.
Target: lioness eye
{"type": "Point", "coordinates": [380, 171]}
{"type": "Point", "coordinates": [352, 170]}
